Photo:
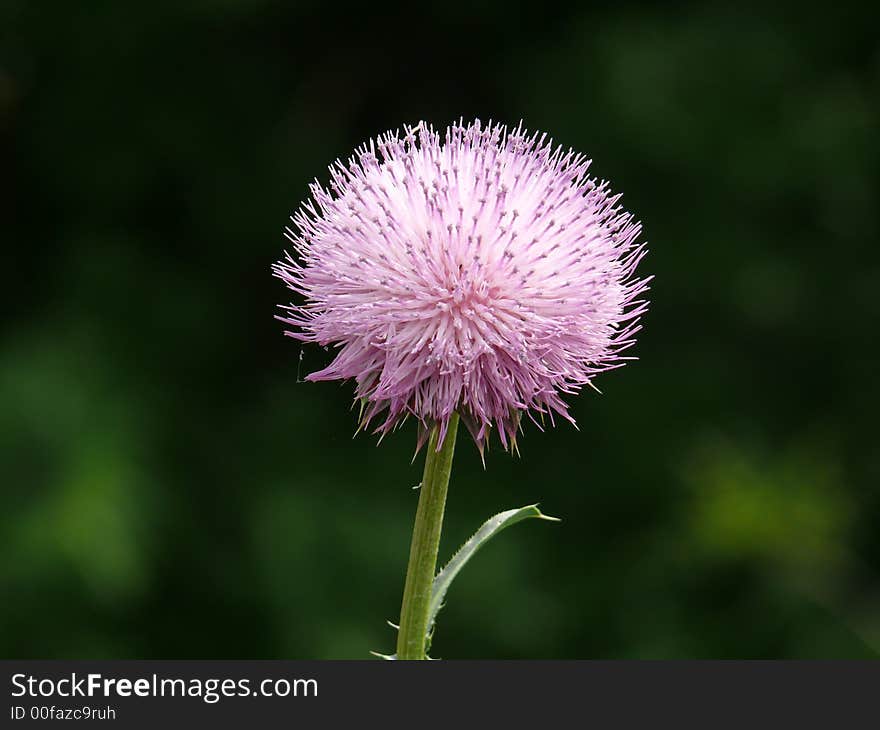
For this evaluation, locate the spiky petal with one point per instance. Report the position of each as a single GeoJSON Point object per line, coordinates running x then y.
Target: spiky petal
{"type": "Point", "coordinates": [479, 270]}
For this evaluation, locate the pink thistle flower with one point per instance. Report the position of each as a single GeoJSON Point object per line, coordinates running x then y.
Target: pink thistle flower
{"type": "Point", "coordinates": [479, 270]}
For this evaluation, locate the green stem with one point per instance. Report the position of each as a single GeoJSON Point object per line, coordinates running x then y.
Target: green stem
{"type": "Point", "coordinates": [425, 543]}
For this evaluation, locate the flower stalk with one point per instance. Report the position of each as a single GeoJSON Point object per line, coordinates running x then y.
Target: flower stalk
{"type": "Point", "coordinates": [415, 609]}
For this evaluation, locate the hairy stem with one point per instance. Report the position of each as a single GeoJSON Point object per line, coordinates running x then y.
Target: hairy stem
{"type": "Point", "coordinates": [414, 613]}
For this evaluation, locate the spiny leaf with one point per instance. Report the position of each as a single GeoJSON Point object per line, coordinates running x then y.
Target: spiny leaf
{"type": "Point", "coordinates": [489, 529]}
{"type": "Point", "coordinates": [386, 657]}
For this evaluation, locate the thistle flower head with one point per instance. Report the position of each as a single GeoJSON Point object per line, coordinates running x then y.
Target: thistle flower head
{"type": "Point", "coordinates": [480, 270]}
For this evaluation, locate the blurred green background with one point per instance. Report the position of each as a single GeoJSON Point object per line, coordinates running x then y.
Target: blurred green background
{"type": "Point", "coordinates": [169, 488]}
